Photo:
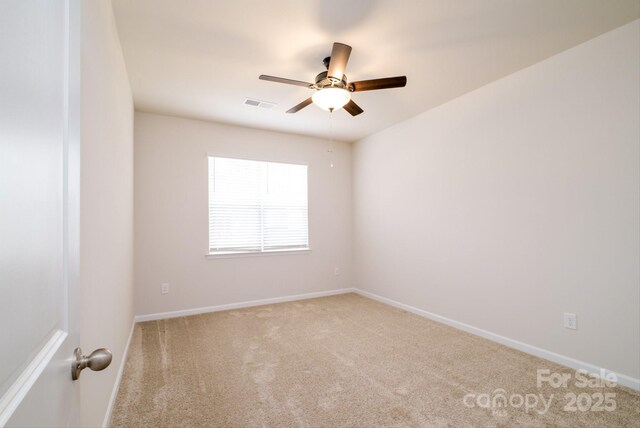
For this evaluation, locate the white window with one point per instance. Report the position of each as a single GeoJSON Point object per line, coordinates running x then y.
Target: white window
{"type": "Point", "coordinates": [257, 206]}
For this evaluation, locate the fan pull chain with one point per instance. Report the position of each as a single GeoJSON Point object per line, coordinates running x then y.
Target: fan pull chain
{"type": "Point", "coordinates": [330, 147]}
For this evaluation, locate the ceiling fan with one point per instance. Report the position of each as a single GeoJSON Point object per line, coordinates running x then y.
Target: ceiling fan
{"type": "Point", "coordinates": [333, 90]}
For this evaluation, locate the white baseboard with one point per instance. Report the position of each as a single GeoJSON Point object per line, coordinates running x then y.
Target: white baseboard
{"type": "Point", "coordinates": [247, 304]}
{"type": "Point", "coordinates": [624, 380]}
{"type": "Point", "coordinates": [116, 385]}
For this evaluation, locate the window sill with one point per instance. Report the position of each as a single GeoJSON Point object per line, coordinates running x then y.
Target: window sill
{"type": "Point", "coordinates": [229, 254]}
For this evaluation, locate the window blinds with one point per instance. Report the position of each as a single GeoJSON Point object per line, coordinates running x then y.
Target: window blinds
{"type": "Point", "coordinates": [257, 206]}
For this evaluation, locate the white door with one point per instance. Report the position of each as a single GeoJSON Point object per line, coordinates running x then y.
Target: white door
{"type": "Point", "coordinates": [39, 190]}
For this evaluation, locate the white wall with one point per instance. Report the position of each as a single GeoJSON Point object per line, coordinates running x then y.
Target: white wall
{"type": "Point", "coordinates": [171, 216]}
{"type": "Point", "coordinates": [106, 211]}
{"type": "Point", "coordinates": [517, 202]}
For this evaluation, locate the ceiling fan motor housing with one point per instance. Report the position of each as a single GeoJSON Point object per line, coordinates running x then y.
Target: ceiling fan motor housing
{"type": "Point", "coordinates": [324, 81]}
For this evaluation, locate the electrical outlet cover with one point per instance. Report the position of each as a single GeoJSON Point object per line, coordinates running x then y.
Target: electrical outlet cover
{"type": "Point", "coordinates": [570, 321]}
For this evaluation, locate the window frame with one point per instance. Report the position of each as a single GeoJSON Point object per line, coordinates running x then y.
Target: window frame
{"type": "Point", "coordinates": [244, 253]}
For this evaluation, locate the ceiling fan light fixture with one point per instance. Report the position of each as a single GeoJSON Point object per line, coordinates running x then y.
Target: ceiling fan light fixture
{"type": "Point", "coordinates": [331, 99]}
{"type": "Point", "coordinates": [332, 88]}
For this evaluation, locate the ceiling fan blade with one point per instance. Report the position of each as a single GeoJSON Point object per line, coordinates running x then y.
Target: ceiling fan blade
{"type": "Point", "coordinates": [339, 57]}
{"type": "Point", "coordinates": [353, 108]}
{"type": "Point", "coordinates": [283, 80]}
{"type": "Point", "coordinates": [300, 106]}
{"type": "Point", "coordinates": [384, 83]}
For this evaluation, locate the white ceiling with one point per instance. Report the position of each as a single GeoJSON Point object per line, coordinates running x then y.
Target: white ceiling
{"type": "Point", "coordinates": [202, 58]}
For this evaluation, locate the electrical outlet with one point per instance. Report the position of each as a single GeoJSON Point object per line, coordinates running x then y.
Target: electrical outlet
{"type": "Point", "coordinates": [336, 271]}
{"type": "Point", "coordinates": [164, 288]}
{"type": "Point", "coordinates": [570, 321]}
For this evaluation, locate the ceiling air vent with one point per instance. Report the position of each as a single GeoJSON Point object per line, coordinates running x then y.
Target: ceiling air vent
{"type": "Point", "coordinates": [258, 103]}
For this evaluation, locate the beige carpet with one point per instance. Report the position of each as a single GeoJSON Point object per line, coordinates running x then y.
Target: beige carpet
{"type": "Point", "coordinates": [342, 361]}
